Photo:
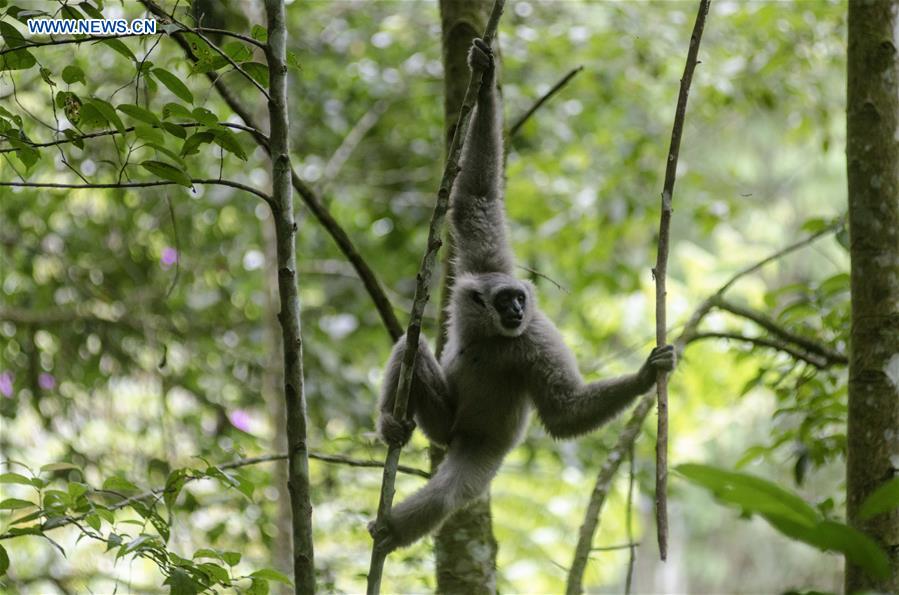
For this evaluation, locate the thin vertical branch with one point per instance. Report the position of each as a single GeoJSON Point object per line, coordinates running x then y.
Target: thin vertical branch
{"type": "Point", "coordinates": [632, 554]}
{"type": "Point", "coordinates": [422, 293]}
{"type": "Point", "coordinates": [289, 316]}
{"type": "Point", "coordinates": [659, 273]}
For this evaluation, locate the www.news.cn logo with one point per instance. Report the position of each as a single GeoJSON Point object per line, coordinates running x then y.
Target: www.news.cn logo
{"type": "Point", "coordinates": [91, 27]}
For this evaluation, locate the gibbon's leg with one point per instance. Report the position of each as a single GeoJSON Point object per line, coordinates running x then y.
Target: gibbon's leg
{"type": "Point", "coordinates": [428, 399]}
{"type": "Point", "coordinates": [477, 211]}
{"type": "Point", "coordinates": [569, 407]}
{"type": "Point", "coordinates": [463, 475]}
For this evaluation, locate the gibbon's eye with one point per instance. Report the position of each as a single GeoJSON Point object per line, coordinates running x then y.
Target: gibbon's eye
{"type": "Point", "coordinates": [476, 298]}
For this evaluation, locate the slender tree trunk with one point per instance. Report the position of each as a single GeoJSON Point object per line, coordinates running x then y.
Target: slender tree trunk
{"type": "Point", "coordinates": [464, 547]}
{"type": "Point", "coordinates": [872, 154]}
{"type": "Point", "coordinates": [289, 317]}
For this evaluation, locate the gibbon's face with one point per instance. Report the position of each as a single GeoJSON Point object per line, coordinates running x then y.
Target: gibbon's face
{"type": "Point", "coordinates": [494, 304]}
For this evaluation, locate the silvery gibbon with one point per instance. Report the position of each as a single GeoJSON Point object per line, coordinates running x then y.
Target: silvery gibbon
{"type": "Point", "coordinates": [502, 355]}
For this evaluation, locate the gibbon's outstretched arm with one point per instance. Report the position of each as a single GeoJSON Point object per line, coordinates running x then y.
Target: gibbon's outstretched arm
{"type": "Point", "coordinates": [429, 400]}
{"type": "Point", "coordinates": [477, 210]}
{"type": "Point", "coordinates": [569, 407]}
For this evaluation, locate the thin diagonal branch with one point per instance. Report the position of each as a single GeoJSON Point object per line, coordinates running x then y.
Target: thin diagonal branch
{"type": "Point", "coordinates": [816, 360]}
{"type": "Point", "coordinates": [659, 272]}
{"type": "Point", "coordinates": [208, 182]}
{"type": "Point", "coordinates": [422, 293]}
{"type": "Point", "coordinates": [513, 130]}
{"type": "Point", "coordinates": [351, 141]}
{"type": "Point", "coordinates": [771, 325]}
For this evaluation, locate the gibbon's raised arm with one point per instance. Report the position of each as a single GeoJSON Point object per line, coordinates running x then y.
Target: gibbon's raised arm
{"type": "Point", "coordinates": [477, 213]}
{"type": "Point", "coordinates": [569, 407]}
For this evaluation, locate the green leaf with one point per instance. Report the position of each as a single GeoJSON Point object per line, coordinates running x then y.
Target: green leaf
{"type": "Point", "coordinates": [884, 499]}
{"type": "Point", "coordinates": [45, 74]}
{"type": "Point", "coordinates": [59, 467]}
{"type": "Point", "coordinates": [16, 504]}
{"type": "Point", "coordinates": [258, 587]}
{"type": "Point", "coordinates": [17, 60]}
{"type": "Point", "coordinates": [181, 583]}
{"type": "Point", "coordinates": [149, 134]}
{"type": "Point", "coordinates": [176, 110]}
{"type": "Point", "coordinates": [272, 575]}
{"type": "Point", "coordinates": [259, 33]}
{"type": "Point", "coordinates": [76, 490]}
{"type": "Point", "coordinates": [237, 51]}
{"type": "Point", "coordinates": [93, 521]}
{"type": "Point", "coordinates": [139, 113]}
{"type": "Point", "coordinates": [71, 106]}
{"type": "Point", "coordinates": [4, 561]}
{"type": "Point", "coordinates": [753, 494]}
{"type": "Point", "coordinates": [192, 145]}
{"type": "Point", "coordinates": [258, 71]}
{"type": "Point", "coordinates": [15, 478]}
{"type": "Point", "coordinates": [204, 116]}
{"type": "Point", "coordinates": [231, 558]}
{"type": "Point", "coordinates": [167, 172]}
{"type": "Point", "coordinates": [91, 117]}
{"type": "Point", "coordinates": [174, 84]}
{"type": "Point", "coordinates": [11, 35]}
{"type": "Point", "coordinates": [228, 141]}
{"type": "Point", "coordinates": [109, 113]}
{"type": "Point", "coordinates": [120, 47]}
{"type": "Point", "coordinates": [91, 11]}
{"type": "Point", "coordinates": [175, 130]}
{"type": "Point", "coordinates": [117, 483]}
{"type": "Point", "coordinates": [293, 61]}
{"type": "Point", "coordinates": [72, 74]}
{"type": "Point", "coordinates": [215, 572]}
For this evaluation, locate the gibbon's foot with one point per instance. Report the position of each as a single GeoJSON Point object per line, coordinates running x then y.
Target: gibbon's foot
{"type": "Point", "coordinates": [383, 537]}
{"type": "Point", "coordinates": [396, 432]}
{"type": "Point", "coordinates": [480, 56]}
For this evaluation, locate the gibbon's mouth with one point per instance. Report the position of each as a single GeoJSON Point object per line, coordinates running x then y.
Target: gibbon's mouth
{"type": "Point", "coordinates": [511, 323]}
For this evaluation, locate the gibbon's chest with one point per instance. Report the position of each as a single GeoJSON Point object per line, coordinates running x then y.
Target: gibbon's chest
{"type": "Point", "coordinates": [489, 385]}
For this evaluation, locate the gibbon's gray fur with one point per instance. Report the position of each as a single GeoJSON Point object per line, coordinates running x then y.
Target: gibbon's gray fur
{"type": "Point", "coordinates": [502, 356]}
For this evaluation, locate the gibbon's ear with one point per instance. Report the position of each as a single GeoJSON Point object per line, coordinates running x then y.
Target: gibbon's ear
{"type": "Point", "coordinates": [477, 298]}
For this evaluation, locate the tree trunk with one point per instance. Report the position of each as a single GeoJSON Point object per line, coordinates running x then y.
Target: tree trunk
{"type": "Point", "coordinates": [872, 153]}
{"type": "Point", "coordinates": [464, 547]}
{"type": "Point", "coordinates": [289, 317]}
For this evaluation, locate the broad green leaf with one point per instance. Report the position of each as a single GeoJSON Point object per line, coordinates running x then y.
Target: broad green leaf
{"type": "Point", "coordinates": [149, 134]}
{"type": "Point", "coordinates": [73, 74]}
{"type": "Point", "coordinates": [15, 478]}
{"type": "Point", "coordinates": [181, 583]}
{"type": "Point", "coordinates": [237, 51]}
{"type": "Point", "coordinates": [228, 141]}
{"type": "Point", "coordinates": [272, 575]}
{"type": "Point", "coordinates": [45, 75]}
{"type": "Point", "coordinates": [11, 35]}
{"type": "Point", "coordinates": [207, 553]}
{"type": "Point", "coordinates": [139, 113]}
{"type": "Point", "coordinates": [4, 561]}
{"type": "Point", "coordinates": [752, 493]}
{"type": "Point", "coordinates": [167, 172]}
{"type": "Point", "coordinates": [91, 11]}
{"type": "Point", "coordinates": [76, 490]}
{"type": "Point", "coordinates": [117, 483]}
{"type": "Point", "coordinates": [120, 47]}
{"type": "Point", "coordinates": [109, 113]}
{"type": "Point", "coordinates": [193, 142]}
{"type": "Point", "coordinates": [176, 110]}
{"type": "Point", "coordinates": [204, 116]}
{"type": "Point", "coordinates": [93, 521]}
{"type": "Point", "coordinates": [59, 467]}
{"type": "Point", "coordinates": [15, 504]}
{"type": "Point", "coordinates": [884, 499]}
{"type": "Point", "coordinates": [231, 558]}
{"type": "Point", "coordinates": [17, 60]}
{"type": "Point", "coordinates": [259, 33]}
{"type": "Point", "coordinates": [258, 71]}
{"type": "Point", "coordinates": [168, 153]}
{"type": "Point", "coordinates": [215, 572]}
{"type": "Point", "coordinates": [174, 84]}
{"type": "Point", "coordinates": [91, 117]}
{"type": "Point", "coordinates": [175, 130]}
{"type": "Point", "coordinates": [71, 106]}
{"type": "Point", "coordinates": [258, 586]}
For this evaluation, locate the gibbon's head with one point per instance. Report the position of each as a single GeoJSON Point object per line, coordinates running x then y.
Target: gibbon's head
{"type": "Point", "coordinates": [492, 304]}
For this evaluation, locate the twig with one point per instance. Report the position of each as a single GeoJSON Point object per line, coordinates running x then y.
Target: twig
{"type": "Point", "coordinates": [659, 272]}
{"type": "Point", "coordinates": [816, 360]}
{"type": "Point", "coordinates": [632, 554]}
{"type": "Point", "coordinates": [542, 276]}
{"type": "Point", "coordinates": [422, 293]}
{"type": "Point", "coordinates": [216, 182]}
{"type": "Point", "coordinates": [614, 548]}
{"type": "Point", "coordinates": [89, 135]}
{"type": "Point", "coordinates": [325, 458]}
{"type": "Point", "coordinates": [543, 99]}
{"type": "Point", "coordinates": [770, 325]}
{"type": "Point", "coordinates": [597, 498]}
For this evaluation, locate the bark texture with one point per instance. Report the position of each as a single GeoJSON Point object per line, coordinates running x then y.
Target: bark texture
{"type": "Point", "coordinates": [289, 316]}
{"type": "Point", "coordinates": [872, 154]}
{"type": "Point", "coordinates": [464, 547]}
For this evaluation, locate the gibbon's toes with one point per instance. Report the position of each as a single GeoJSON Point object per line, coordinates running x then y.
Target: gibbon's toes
{"type": "Point", "coordinates": [382, 536]}
{"type": "Point", "coordinates": [663, 357]}
{"type": "Point", "coordinates": [480, 56]}
{"type": "Point", "coordinates": [396, 432]}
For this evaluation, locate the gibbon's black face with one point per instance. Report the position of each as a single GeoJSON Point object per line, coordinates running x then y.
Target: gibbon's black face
{"type": "Point", "coordinates": [510, 303]}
